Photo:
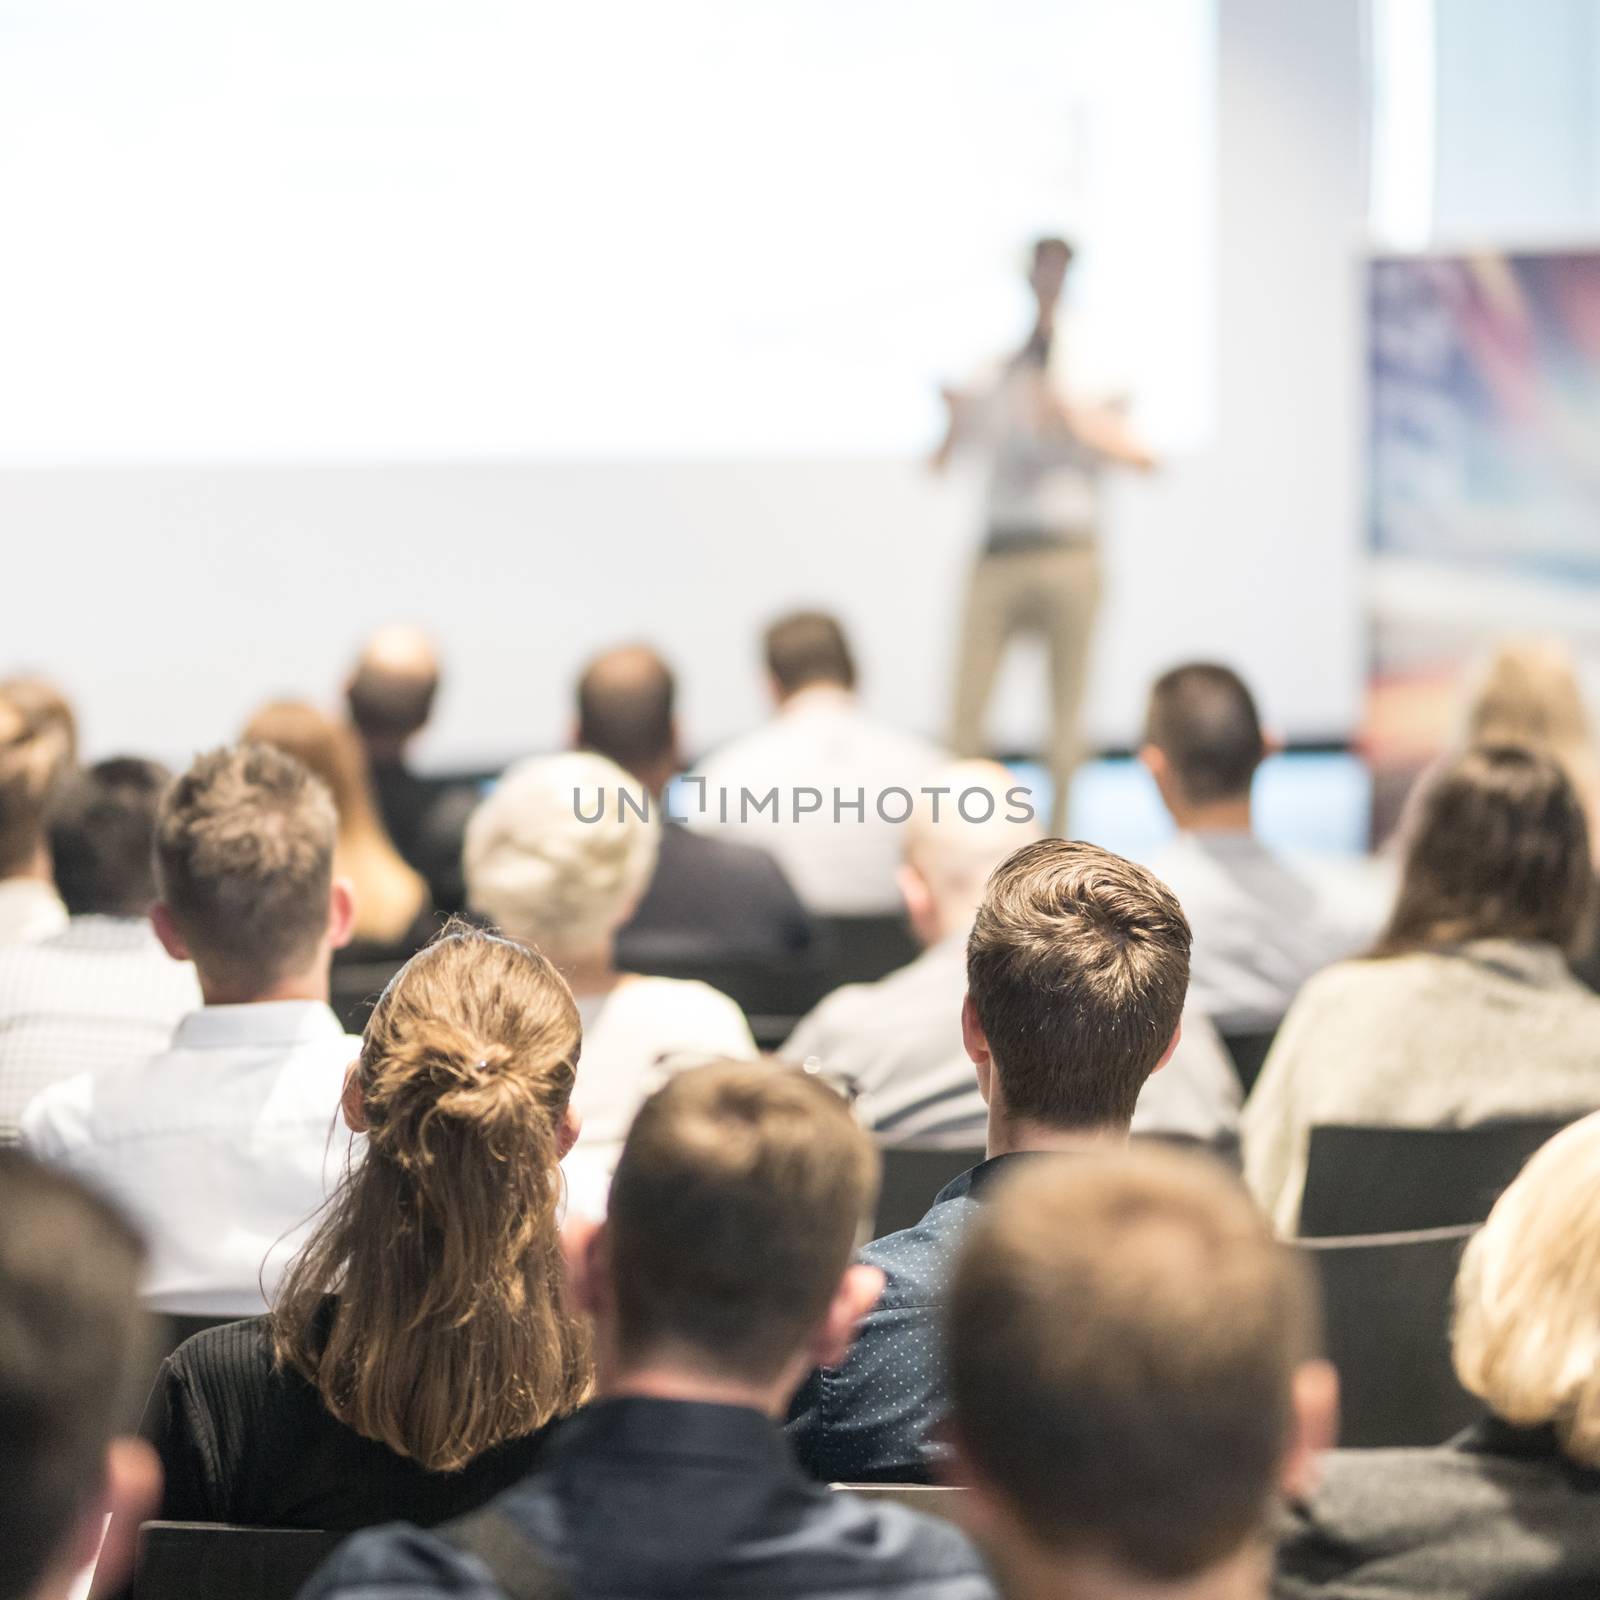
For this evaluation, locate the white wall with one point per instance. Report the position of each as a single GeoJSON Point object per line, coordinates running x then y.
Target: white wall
{"type": "Point", "coordinates": [170, 599]}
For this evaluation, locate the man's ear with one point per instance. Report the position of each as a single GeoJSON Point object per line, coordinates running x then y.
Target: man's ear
{"type": "Point", "coordinates": [166, 930]}
{"type": "Point", "coordinates": [587, 1248]}
{"type": "Point", "coordinates": [920, 909]}
{"type": "Point", "coordinates": [981, 1518]}
{"type": "Point", "coordinates": [856, 1295]}
{"type": "Point", "coordinates": [341, 913]}
{"type": "Point", "coordinates": [132, 1495]}
{"type": "Point", "coordinates": [567, 1131]}
{"type": "Point", "coordinates": [976, 1043]}
{"type": "Point", "coordinates": [352, 1102]}
{"type": "Point", "coordinates": [1172, 1047]}
{"type": "Point", "coordinates": [1316, 1427]}
{"type": "Point", "coordinates": [1154, 761]}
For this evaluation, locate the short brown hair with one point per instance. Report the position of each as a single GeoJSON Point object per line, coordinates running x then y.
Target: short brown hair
{"type": "Point", "coordinates": [244, 862]}
{"type": "Point", "coordinates": [73, 1344]}
{"type": "Point", "coordinates": [1077, 966]}
{"type": "Point", "coordinates": [808, 647]}
{"type": "Point", "coordinates": [1498, 848]}
{"type": "Point", "coordinates": [36, 752]}
{"type": "Point", "coordinates": [453, 1332]}
{"type": "Point", "coordinates": [734, 1213]}
{"type": "Point", "coordinates": [1123, 1333]}
{"type": "Point", "coordinates": [1203, 719]}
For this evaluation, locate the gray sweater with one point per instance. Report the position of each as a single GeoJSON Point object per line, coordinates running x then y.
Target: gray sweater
{"type": "Point", "coordinates": [1442, 1038]}
{"type": "Point", "coordinates": [1495, 1509]}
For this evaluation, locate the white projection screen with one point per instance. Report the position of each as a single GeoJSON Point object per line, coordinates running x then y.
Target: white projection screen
{"type": "Point", "coordinates": [552, 324]}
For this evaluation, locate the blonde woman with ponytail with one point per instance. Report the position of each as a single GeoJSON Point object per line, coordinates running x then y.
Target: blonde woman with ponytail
{"type": "Point", "coordinates": [422, 1340]}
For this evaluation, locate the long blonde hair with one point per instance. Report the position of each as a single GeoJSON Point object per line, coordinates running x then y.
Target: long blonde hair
{"type": "Point", "coordinates": [389, 895]}
{"type": "Point", "coordinates": [1527, 1314]}
{"type": "Point", "coordinates": [452, 1332]}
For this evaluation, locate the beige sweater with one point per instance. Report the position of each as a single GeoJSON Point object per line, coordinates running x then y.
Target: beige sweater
{"type": "Point", "coordinates": [1490, 1029]}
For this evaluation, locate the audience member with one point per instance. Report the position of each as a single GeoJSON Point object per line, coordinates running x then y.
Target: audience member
{"type": "Point", "coordinates": [222, 1144]}
{"type": "Point", "coordinates": [1514, 1501]}
{"type": "Point", "coordinates": [1529, 695]}
{"type": "Point", "coordinates": [102, 991]}
{"type": "Point", "coordinates": [558, 856]}
{"type": "Point", "coordinates": [72, 1351]}
{"type": "Point", "coordinates": [842, 783]}
{"type": "Point", "coordinates": [721, 1276]}
{"type": "Point", "coordinates": [35, 754]}
{"type": "Point", "coordinates": [1261, 927]}
{"type": "Point", "coordinates": [1076, 971]}
{"type": "Point", "coordinates": [391, 900]}
{"type": "Point", "coordinates": [709, 898]}
{"type": "Point", "coordinates": [422, 1341]}
{"type": "Point", "coordinates": [1466, 1010]}
{"type": "Point", "coordinates": [391, 695]}
{"type": "Point", "coordinates": [898, 1041]}
{"type": "Point", "coordinates": [43, 703]}
{"type": "Point", "coordinates": [1131, 1382]}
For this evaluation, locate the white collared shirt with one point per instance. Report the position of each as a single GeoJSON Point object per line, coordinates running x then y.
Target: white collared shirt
{"type": "Point", "coordinates": [97, 994]}
{"type": "Point", "coordinates": [841, 860]}
{"type": "Point", "coordinates": [30, 909]}
{"type": "Point", "coordinates": [221, 1147]}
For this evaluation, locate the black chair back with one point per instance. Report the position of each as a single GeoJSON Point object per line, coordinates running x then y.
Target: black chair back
{"type": "Point", "coordinates": [1393, 1180]}
{"type": "Point", "coordinates": [864, 949]}
{"type": "Point", "coordinates": [912, 1176]}
{"type": "Point", "coordinates": [212, 1561]}
{"type": "Point", "coordinates": [1386, 1314]}
{"type": "Point", "coordinates": [1248, 1052]}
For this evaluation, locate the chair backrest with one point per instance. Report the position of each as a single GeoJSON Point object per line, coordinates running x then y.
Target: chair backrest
{"type": "Point", "coordinates": [1392, 1180]}
{"type": "Point", "coordinates": [213, 1561]}
{"type": "Point", "coordinates": [1386, 1316]}
{"type": "Point", "coordinates": [864, 949]}
{"type": "Point", "coordinates": [1248, 1052]}
{"type": "Point", "coordinates": [934, 1500]}
{"type": "Point", "coordinates": [912, 1176]}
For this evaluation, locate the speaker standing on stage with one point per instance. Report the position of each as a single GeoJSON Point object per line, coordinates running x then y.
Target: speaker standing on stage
{"type": "Point", "coordinates": [1039, 569]}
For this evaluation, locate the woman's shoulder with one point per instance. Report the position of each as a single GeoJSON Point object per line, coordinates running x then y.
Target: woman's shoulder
{"type": "Point", "coordinates": [1374, 1503]}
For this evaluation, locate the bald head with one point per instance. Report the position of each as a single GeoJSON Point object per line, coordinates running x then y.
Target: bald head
{"type": "Point", "coordinates": [957, 837]}
{"type": "Point", "coordinates": [625, 701]}
{"type": "Point", "coordinates": [391, 692]}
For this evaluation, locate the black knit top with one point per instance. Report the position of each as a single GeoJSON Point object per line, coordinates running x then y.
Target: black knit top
{"type": "Point", "coordinates": [242, 1442]}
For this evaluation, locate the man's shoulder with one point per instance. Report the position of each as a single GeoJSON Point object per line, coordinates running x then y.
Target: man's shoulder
{"type": "Point", "coordinates": [907, 1549]}
{"type": "Point", "coordinates": [916, 1261]}
{"type": "Point", "coordinates": [729, 858]}
{"type": "Point", "coordinates": [401, 1562]}
{"type": "Point", "coordinates": [59, 1120]}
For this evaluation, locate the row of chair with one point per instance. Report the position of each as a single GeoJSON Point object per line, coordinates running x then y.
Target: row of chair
{"type": "Point", "coordinates": [212, 1561]}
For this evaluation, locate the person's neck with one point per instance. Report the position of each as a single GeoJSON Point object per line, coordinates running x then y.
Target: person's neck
{"type": "Point", "coordinates": [1013, 1136]}
{"type": "Point", "coordinates": [310, 985]}
{"type": "Point", "coordinates": [653, 777]}
{"type": "Point", "coordinates": [595, 973]}
{"type": "Point", "coordinates": [384, 750]}
{"type": "Point", "coordinates": [669, 1381]}
{"type": "Point", "coordinates": [1030, 1573]}
{"type": "Point", "coordinates": [1215, 816]}
{"type": "Point", "coordinates": [36, 869]}
{"type": "Point", "coordinates": [816, 693]}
